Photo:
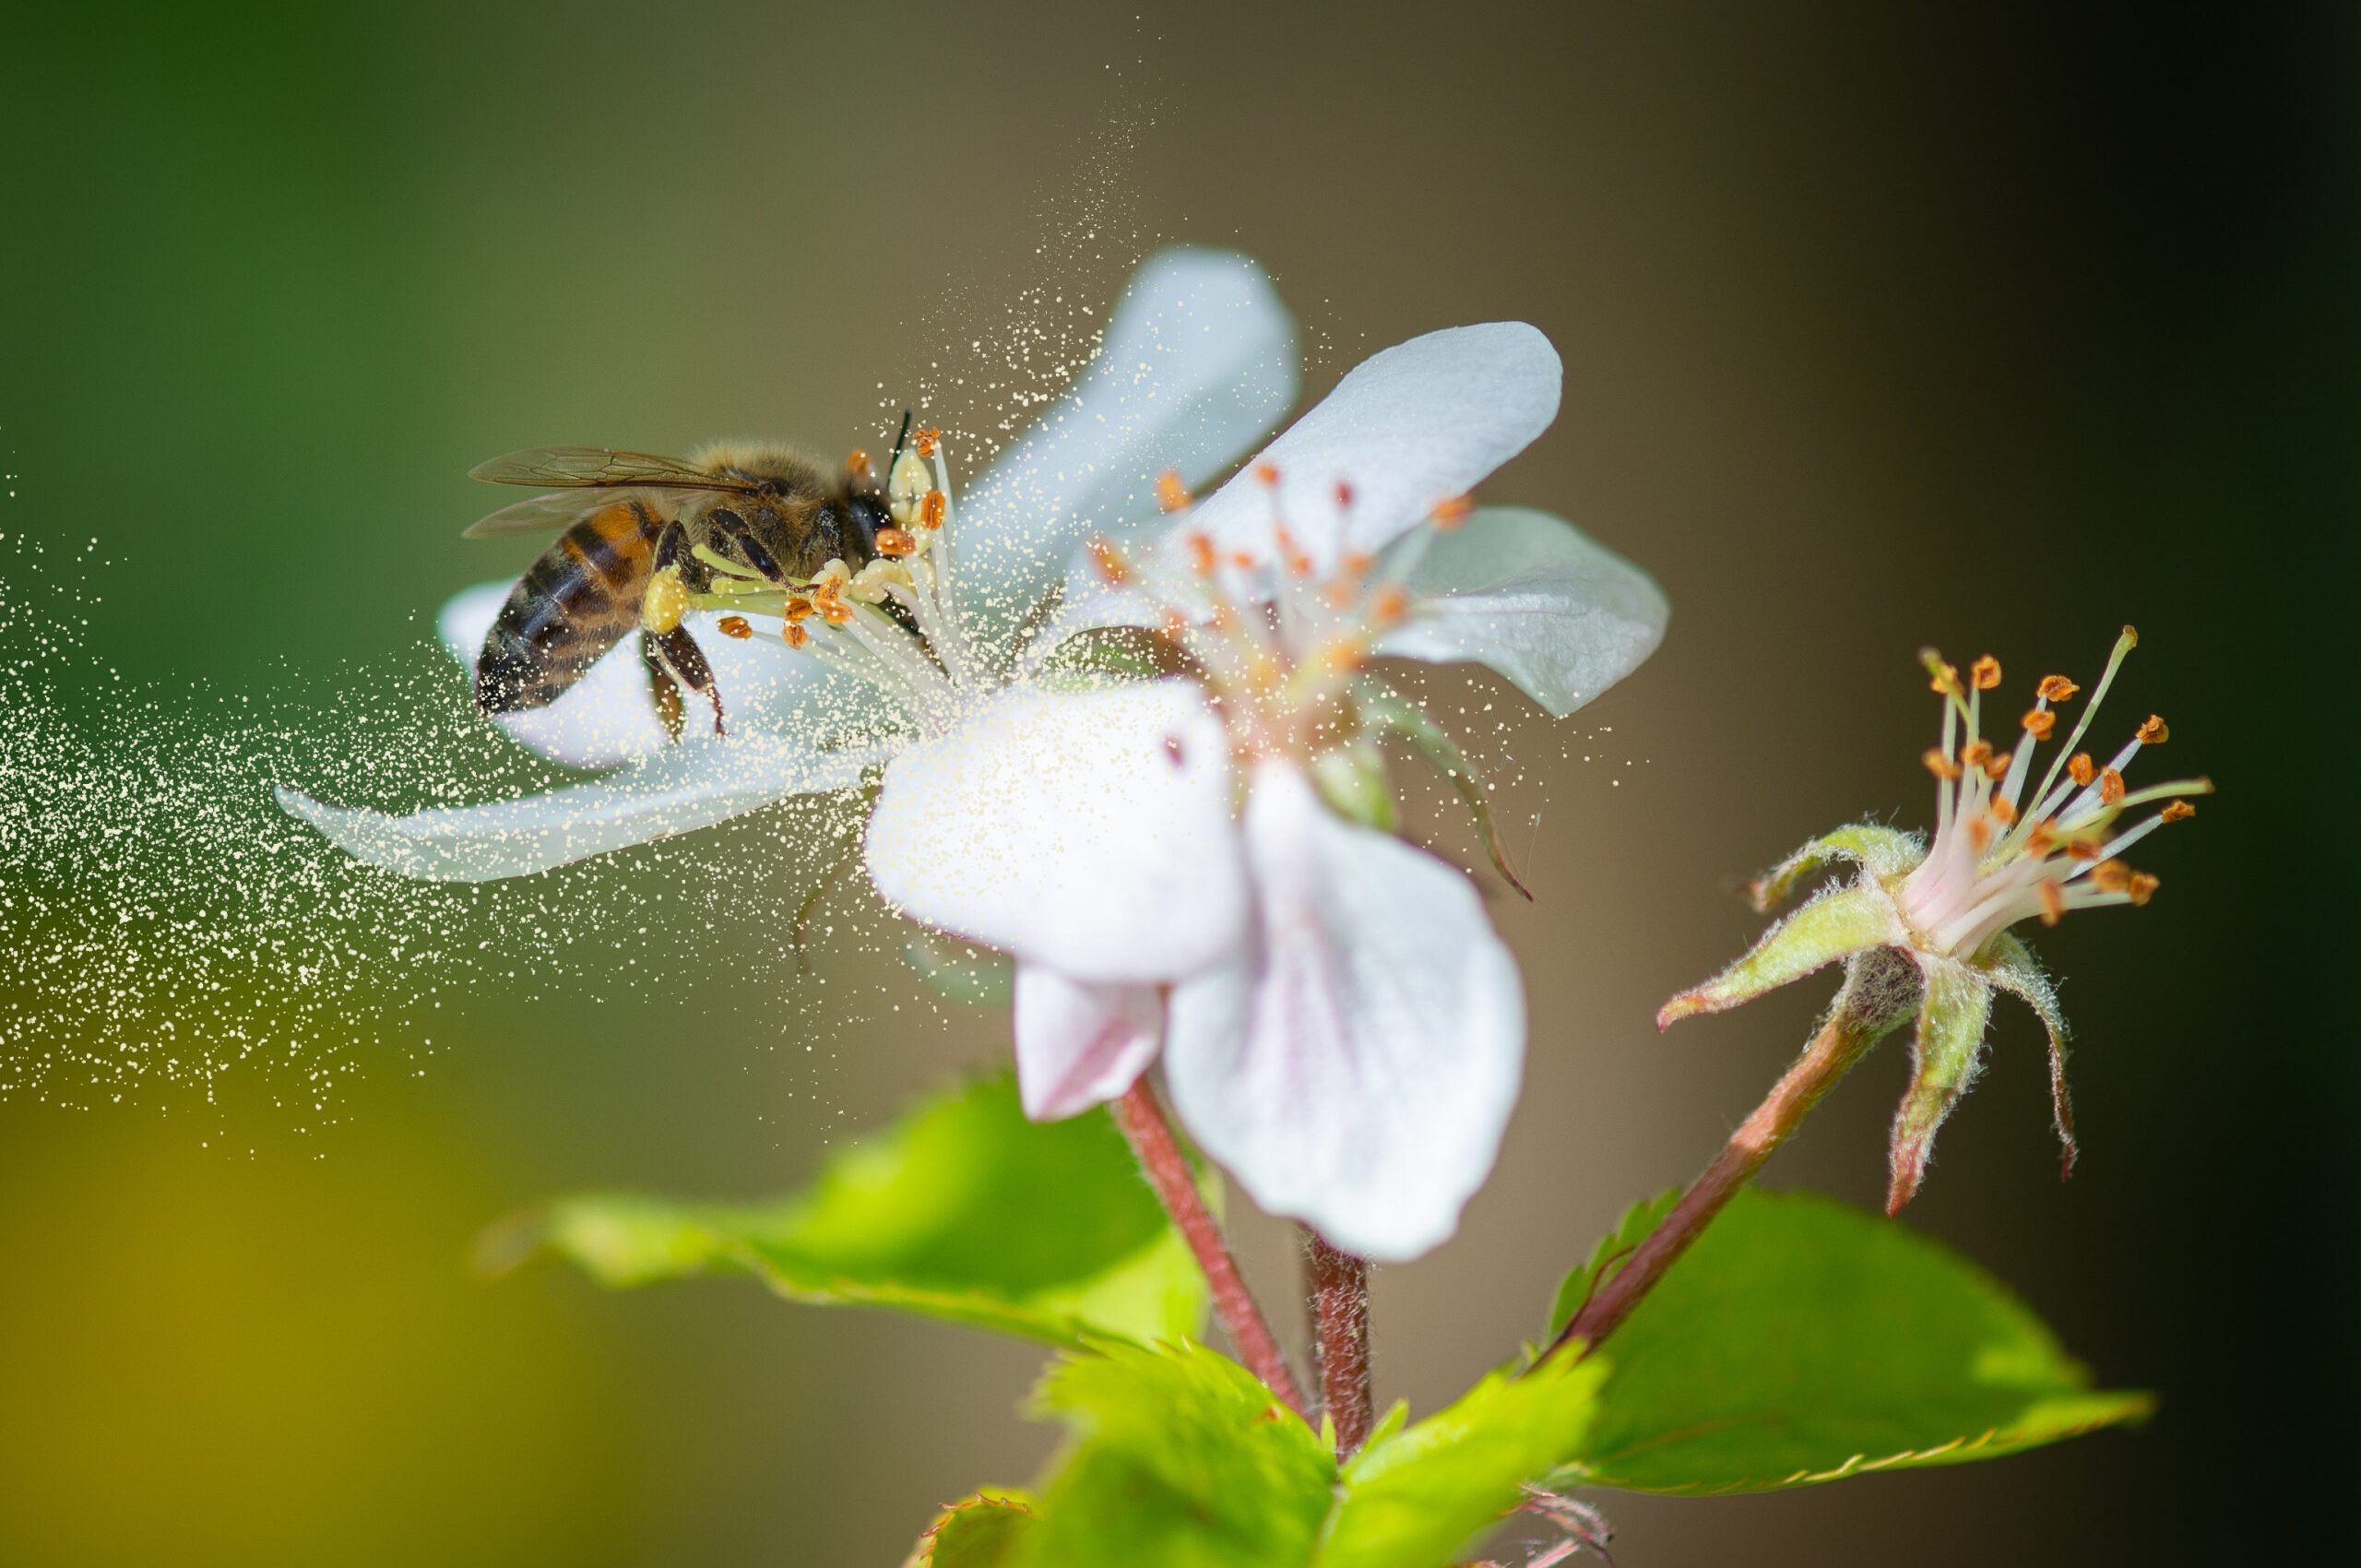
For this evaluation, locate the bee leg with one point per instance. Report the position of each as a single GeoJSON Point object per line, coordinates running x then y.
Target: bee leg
{"type": "Point", "coordinates": [684, 661]}
{"type": "Point", "coordinates": [662, 689]}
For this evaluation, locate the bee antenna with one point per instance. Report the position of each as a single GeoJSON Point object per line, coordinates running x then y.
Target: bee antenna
{"type": "Point", "coordinates": [899, 442]}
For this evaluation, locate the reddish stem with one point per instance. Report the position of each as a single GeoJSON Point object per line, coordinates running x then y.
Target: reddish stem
{"type": "Point", "coordinates": [1838, 1045]}
{"type": "Point", "coordinates": [1339, 1284]}
{"type": "Point", "coordinates": [1166, 1168]}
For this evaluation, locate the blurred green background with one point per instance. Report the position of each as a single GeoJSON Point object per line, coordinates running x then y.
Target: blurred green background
{"type": "Point", "coordinates": [1989, 326]}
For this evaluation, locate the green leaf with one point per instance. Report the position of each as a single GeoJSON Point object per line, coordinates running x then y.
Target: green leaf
{"type": "Point", "coordinates": [982, 1531]}
{"type": "Point", "coordinates": [1179, 1459]}
{"type": "Point", "coordinates": [1801, 1340]}
{"type": "Point", "coordinates": [1415, 1497]}
{"type": "Point", "coordinates": [1606, 1259]}
{"type": "Point", "coordinates": [963, 1210]}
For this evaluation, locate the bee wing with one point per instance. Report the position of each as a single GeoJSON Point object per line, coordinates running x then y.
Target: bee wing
{"type": "Point", "coordinates": [560, 466]}
{"type": "Point", "coordinates": [558, 510]}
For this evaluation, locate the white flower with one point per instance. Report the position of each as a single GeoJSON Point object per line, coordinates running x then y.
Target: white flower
{"type": "Point", "coordinates": [1197, 361]}
{"type": "Point", "coordinates": [1340, 1026]}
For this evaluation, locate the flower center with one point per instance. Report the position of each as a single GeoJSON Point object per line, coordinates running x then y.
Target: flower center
{"type": "Point", "coordinates": [2002, 855]}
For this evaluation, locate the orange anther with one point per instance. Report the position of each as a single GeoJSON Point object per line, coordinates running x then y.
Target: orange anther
{"type": "Point", "coordinates": [1944, 679]}
{"type": "Point", "coordinates": [1292, 553]}
{"type": "Point", "coordinates": [1390, 604]}
{"type": "Point", "coordinates": [2053, 903]}
{"type": "Point", "coordinates": [2177, 810]}
{"type": "Point", "coordinates": [2041, 838]}
{"type": "Point", "coordinates": [1452, 510]}
{"type": "Point", "coordinates": [2083, 849]}
{"type": "Point", "coordinates": [2039, 722]}
{"type": "Point", "coordinates": [2081, 770]}
{"type": "Point", "coordinates": [2111, 876]}
{"type": "Point", "coordinates": [858, 463]}
{"type": "Point", "coordinates": [1357, 562]}
{"type": "Point", "coordinates": [931, 508]}
{"type": "Point", "coordinates": [1170, 493]}
{"type": "Point", "coordinates": [1976, 753]}
{"type": "Point", "coordinates": [735, 627]}
{"type": "Point", "coordinates": [2003, 812]}
{"type": "Point", "coordinates": [1343, 492]}
{"type": "Point", "coordinates": [1345, 653]}
{"type": "Point", "coordinates": [1243, 560]}
{"type": "Point", "coordinates": [796, 635]}
{"type": "Point", "coordinates": [1979, 833]}
{"type": "Point", "coordinates": [2110, 786]}
{"type": "Point", "coordinates": [1984, 673]}
{"type": "Point", "coordinates": [2057, 688]}
{"type": "Point", "coordinates": [1939, 765]}
{"type": "Point", "coordinates": [1997, 768]}
{"type": "Point", "coordinates": [2143, 887]}
{"type": "Point", "coordinates": [1269, 473]}
{"type": "Point", "coordinates": [926, 440]}
{"type": "Point", "coordinates": [2153, 733]}
{"type": "Point", "coordinates": [1202, 555]}
{"type": "Point", "coordinates": [797, 609]}
{"type": "Point", "coordinates": [894, 541]}
{"type": "Point", "coordinates": [1173, 624]}
{"type": "Point", "coordinates": [1113, 567]}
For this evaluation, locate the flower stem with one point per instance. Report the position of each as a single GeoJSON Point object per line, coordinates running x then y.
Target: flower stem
{"type": "Point", "coordinates": [1340, 1333]}
{"type": "Point", "coordinates": [1166, 1168]}
{"type": "Point", "coordinates": [1862, 1015]}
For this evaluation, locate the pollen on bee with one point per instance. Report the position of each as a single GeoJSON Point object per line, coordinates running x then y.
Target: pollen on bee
{"type": "Point", "coordinates": [666, 602]}
{"type": "Point", "coordinates": [926, 440]}
{"type": "Point", "coordinates": [2053, 903]}
{"type": "Point", "coordinates": [895, 541]}
{"type": "Point", "coordinates": [2057, 688]}
{"type": "Point", "coordinates": [2143, 887]}
{"type": "Point", "coordinates": [930, 509]}
{"type": "Point", "coordinates": [1172, 495]}
{"type": "Point", "coordinates": [736, 626]}
{"type": "Point", "coordinates": [796, 636]}
{"type": "Point", "coordinates": [1452, 511]}
{"type": "Point", "coordinates": [2155, 732]}
{"type": "Point", "coordinates": [2110, 786]}
{"type": "Point", "coordinates": [1984, 673]}
{"type": "Point", "coordinates": [1939, 765]}
{"type": "Point", "coordinates": [2177, 810]}
{"type": "Point", "coordinates": [2039, 722]}
{"type": "Point", "coordinates": [1113, 569]}
{"type": "Point", "coordinates": [2081, 770]}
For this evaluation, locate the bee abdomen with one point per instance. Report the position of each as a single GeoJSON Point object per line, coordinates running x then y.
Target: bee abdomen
{"type": "Point", "coordinates": [570, 607]}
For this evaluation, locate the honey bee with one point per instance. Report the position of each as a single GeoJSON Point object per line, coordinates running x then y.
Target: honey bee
{"type": "Point", "coordinates": [643, 537]}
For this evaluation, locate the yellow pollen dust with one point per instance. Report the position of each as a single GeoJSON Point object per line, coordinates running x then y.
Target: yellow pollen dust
{"type": "Point", "coordinates": [1984, 673]}
{"type": "Point", "coordinates": [2110, 786]}
{"type": "Point", "coordinates": [2081, 770]}
{"type": "Point", "coordinates": [2039, 722]}
{"type": "Point", "coordinates": [1170, 493]}
{"type": "Point", "coordinates": [2057, 688]}
{"type": "Point", "coordinates": [894, 541]}
{"type": "Point", "coordinates": [2155, 732]}
{"type": "Point", "coordinates": [2177, 810]}
{"type": "Point", "coordinates": [1937, 764]}
{"type": "Point", "coordinates": [666, 602]}
{"type": "Point", "coordinates": [2053, 904]}
{"type": "Point", "coordinates": [736, 626]}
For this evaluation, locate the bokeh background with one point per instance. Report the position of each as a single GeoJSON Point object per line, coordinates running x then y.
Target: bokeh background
{"type": "Point", "coordinates": [1993, 327]}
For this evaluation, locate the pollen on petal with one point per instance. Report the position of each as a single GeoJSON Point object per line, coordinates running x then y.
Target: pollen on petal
{"type": "Point", "coordinates": [2177, 810]}
{"type": "Point", "coordinates": [1984, 673]}
{"type": "Point", "coordinates": [1172, 495]}
{"type": "Point", "coordinates": [2039, 722]}
{"type": "Point", "coordinates": [735, 627]}
{"type": "Point", "coordinates": [2057, 688]}
{"type": "Point", "coordinates": [2155, 732]}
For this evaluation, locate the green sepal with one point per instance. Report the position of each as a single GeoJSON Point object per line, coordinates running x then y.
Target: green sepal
{"type": "Point", "coordinates": [1388, 711]}
{"type": "Point", "coordinates": [2008, 963]}
{"type": "Point", "coordinates": [983, 1530]}
{"type": "Point", "coordinates": [1835, 924]}
{"type": "Point", "coordinates": [1415, 1495]}
{"type": "Point", "coordinates": [963, 1210]}
{"type": "Point", "coordinates": [1607, 1258]}
{"type": "Point", "coordinates": [1945, 1056]}
{"type": "Point", "coordinates": [1801, 1340]}
{"type": "Point", "coordinates": [1179, 1459]}
{"type": "Point", "coordinates": [1352, 779]}
{"type": "Point", "coordinates": [1884, 852]}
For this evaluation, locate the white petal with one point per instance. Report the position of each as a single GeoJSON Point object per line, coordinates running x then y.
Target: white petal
{"type": "Point", "coordinates": [1525, 593]}
{"type": "Point", "coordinates": [1087, 831]}
{"type": "Point", "coordinates": [607, 717]}
{"type": "Point", "coordinates": [1198, 364]}
{"type": "Point", "coordinates": [1419, 423]}
{"type": "Point", "coordinates": [694, 784]}
{"type": "Point", "coordinates": [1080, 1045]}
{"type": "Point", "coordinates": [1356, 1069]}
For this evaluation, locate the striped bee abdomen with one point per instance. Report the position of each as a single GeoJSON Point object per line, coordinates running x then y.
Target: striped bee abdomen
{"type": "Point", "coordinates": [571, 606]}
